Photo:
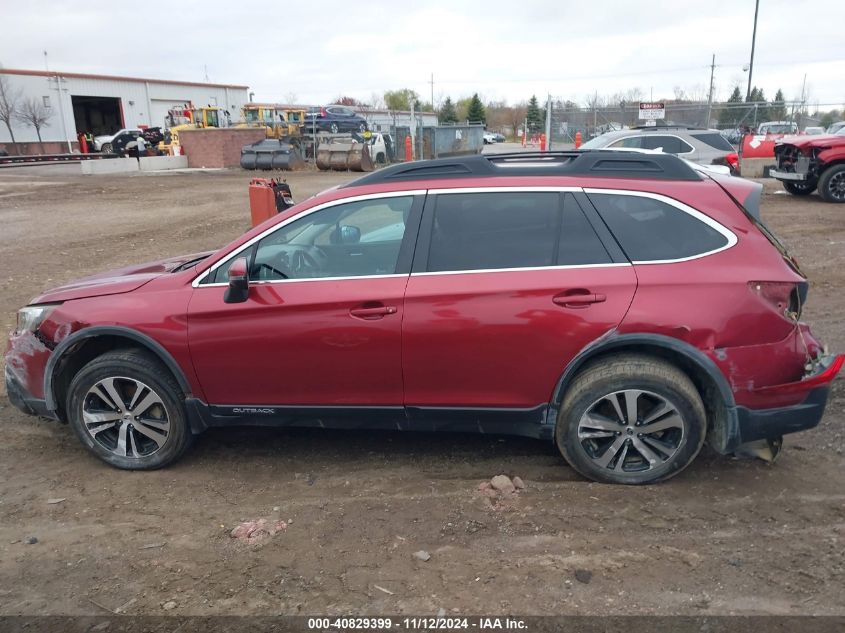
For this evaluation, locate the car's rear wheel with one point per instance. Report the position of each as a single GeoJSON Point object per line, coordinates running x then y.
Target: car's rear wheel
{"type": "Point", "coordinates": [631, 419]}
{"type": "Point", "coordinates": [128, 410]}
{"type": "Point", "coordinates": [800, 188]}
{"type": "Point", "coordinates": [832, 184]}
{"type": "Point", "coordinates": [362, 127]}
{"type": "Point", "coordinates": [334, 128]}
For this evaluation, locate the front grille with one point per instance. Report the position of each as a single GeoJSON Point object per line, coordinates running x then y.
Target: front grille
{"type": "Point", "coordinates": [790, 159]}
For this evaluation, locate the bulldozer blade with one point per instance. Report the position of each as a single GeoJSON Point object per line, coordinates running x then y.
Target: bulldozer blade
{"type": "Point", "coordinates": [344, 157]}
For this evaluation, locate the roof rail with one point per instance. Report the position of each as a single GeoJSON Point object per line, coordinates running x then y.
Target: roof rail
{"type": "Point", "coordinates": [598, 163]}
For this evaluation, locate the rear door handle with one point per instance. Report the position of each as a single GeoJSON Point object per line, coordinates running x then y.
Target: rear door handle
{"type": "Point", "coordinates": [375, 312]}
{"type": "Point", "coordinates": [578, 301]}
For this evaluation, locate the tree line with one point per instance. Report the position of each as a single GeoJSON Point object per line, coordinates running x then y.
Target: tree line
{"type": "Point", "coordinates": [14, 108]}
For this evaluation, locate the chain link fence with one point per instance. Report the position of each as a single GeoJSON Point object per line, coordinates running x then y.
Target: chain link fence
{"type": "Point", "coordinates": [568, 118]}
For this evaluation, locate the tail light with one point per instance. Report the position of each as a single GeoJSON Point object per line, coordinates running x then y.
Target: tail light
{"type": "Point", "coordinates": [787, 298]}
{"type": "Point", "coordinates": [732, 159]}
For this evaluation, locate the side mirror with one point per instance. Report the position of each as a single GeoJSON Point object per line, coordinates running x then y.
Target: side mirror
{"type": "Point", "coordinates": [345, 234]}
{"type": "Point", "coordinates": [238, 290]}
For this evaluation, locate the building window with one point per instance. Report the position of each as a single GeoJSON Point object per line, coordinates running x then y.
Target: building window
{"type": "Point", "coordinates": [46, 100]}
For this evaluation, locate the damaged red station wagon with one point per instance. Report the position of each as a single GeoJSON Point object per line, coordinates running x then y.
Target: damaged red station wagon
{"type": "Point", "coordinates": [627, 307]}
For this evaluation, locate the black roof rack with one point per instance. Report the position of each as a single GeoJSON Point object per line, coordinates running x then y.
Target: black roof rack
{"type": "Point", "coordinates": [600, 163]}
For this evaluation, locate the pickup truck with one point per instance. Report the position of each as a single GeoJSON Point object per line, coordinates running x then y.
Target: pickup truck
{"type": "Point", "coordinates": [809, 162]}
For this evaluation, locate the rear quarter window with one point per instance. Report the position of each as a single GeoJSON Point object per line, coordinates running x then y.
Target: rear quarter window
{"type": "Point", "coordinates": [650, 230]}
{"type": "Point", "coordinates": [714, 140]}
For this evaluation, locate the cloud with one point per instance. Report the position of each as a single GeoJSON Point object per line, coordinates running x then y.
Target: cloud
{"type": "Point", "coordinates": [503, 50]}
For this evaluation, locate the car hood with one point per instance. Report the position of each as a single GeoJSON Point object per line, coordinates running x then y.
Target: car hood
{"type": "Point", "coordinates": [104, 137]}
{"type": "Point", "coordinates": [116, 281]}
{"type": "Point", "coordinates": [815, 140]}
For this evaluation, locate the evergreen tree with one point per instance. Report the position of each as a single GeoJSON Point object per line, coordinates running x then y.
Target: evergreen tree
{"type": "Point", "coordinates": [448, 114]}
{"type": "Point", "coordinates": [475, 112]}
{"type": "Point", "coordinates": [534, 116]}
{"type": "Point", "coordinates": [777, 111]}
{"type": "Point", "coordinates": [730, 116]}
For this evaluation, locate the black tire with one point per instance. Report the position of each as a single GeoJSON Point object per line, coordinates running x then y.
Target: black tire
{"type": "Point", "coordinates": [799, 188]}
{"type": "Point", "coordinates": [131, 365]}
{"type": "Point", "coordinates": [333, 128]}
{"type": "Point", "coordinates": [362, 127]}
{"type": "Point", "coordinates": [657, 379]}
{"type": "Point", "coordinates": [380, 158]}
{"type": "Point", "coordinates": [106, 148]}
{"type": "Point", "coordinates": [832, 184]}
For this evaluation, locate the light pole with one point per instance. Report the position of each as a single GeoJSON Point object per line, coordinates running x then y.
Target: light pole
{"type": "Point", "coordinates": [753, 40]}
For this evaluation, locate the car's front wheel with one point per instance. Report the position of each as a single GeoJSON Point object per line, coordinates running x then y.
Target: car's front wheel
{"type": "Point", "coordinates": [832, 184]}
{"type": "Point", "coordinates": [631, 419]}
{"type": "Point", "coordinates": [800, 188]}
{"type": "Point", "coordinates": [106, 148]}
{"type": "Point", "coordinates": [334, 128]}
{"type": "Point", "coordinates": [128, 410]}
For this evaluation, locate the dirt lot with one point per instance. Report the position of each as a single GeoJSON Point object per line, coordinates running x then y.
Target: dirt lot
{"type": "Point", "coordinates": [726, 536]}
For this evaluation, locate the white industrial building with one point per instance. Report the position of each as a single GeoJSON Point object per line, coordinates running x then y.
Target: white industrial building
{"type": "Point", "coordinates": [102, 104]}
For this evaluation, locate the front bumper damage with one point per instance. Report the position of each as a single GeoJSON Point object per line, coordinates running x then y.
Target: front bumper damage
{"type": "Point", "coordinates": [22, 399]}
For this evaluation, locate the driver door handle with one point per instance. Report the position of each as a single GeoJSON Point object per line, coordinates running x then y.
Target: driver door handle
{"type": "Point", "coordinates": [372, 312]}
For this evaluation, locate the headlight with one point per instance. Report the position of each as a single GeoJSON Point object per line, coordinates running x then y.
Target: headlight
{"type": "Point", "coordinates": [30, 317]}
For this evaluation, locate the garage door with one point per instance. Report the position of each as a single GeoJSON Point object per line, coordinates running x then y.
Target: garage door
{"type": "Point", "coordinates": [159, 108]}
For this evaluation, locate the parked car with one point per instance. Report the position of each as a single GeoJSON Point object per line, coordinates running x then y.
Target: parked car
{"type": "Point", "coordinates": [500, 138]}
{"type": "Point", "coordinates": [777, 127]}
{"type": "Point", "coordinates": [813, 130]}
{"type": "Point", "coordinates": [835, 127]}
{"type": "Point", "coordinates": [104, 143]}
{"type": "Point", "coordinates": [334, 119]}
{"type": "Point", "coordinates": [696, 144]}
{"type": "Point", "coordinates": [489, 138]}
{"type": "Point", "coordinates": [807, 163]}
{"type": "Point", "coordinates": [625, 306]}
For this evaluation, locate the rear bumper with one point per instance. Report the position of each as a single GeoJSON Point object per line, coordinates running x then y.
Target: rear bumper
{"type": "Point", "coordinates": [22, 399]}
{"type": "Point", "coordinates": [763, 424]}
{"type": "Point", "coordinates": [748, 425]}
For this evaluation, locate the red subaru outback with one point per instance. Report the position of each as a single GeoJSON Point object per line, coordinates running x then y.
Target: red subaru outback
{"type": "Point", "coordinates": [627, 307]}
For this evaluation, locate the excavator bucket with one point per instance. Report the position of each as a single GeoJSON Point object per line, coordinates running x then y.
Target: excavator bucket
{"type": "Point", "coordinates": [344, 156]}
{"type": "Point", "coordinates": [272, 154]}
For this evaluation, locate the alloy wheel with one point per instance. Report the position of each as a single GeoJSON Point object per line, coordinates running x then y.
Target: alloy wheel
{"type": "Point", "coordinates": [126, 417]}
{"type": "Point", "coordinates": [631, 431]}
{"type": "Point", "coordinates": [836, 186]}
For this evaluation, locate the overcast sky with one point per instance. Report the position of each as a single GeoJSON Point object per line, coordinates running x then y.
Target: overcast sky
{"type": "Point", "coordinates": [315, 51]}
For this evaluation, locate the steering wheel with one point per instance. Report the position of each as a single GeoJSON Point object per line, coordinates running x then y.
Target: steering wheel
{"type": "Point", "coordinates": [273, 270]}
{"type": "Point", "coordinates": [302, 261]}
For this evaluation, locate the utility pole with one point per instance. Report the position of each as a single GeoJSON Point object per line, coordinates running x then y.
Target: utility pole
{"type": "Point", "coordinates": [549, 123]}
{"type": "Point", "coordinates": [432, 91]}
{"type": "Point", "coordinates": [710, 95]}
{"type": "Point", "coordinates": [753, 40]}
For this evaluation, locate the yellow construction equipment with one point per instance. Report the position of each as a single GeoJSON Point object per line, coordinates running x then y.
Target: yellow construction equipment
{"type": "Point", "coordinates": [188, 117]}
{"type": "Point", "coordinates": [279, 121]}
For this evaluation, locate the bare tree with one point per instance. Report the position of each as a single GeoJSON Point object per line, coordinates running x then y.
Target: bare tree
{"type": "Point", "coordinates": [33, 113]}
{"type": "Point", "coordinates": [10, 99]}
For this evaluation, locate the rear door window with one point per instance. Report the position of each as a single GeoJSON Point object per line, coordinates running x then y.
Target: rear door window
{"type": "Point", "coordinates": [579, 244]}
{"type": "Point", "coordinates": [668, 144]}
{"type": "Point", "coordinates": [508, 230]}
{"type": "Point", "coordinates": [481, 231]}
{"type": "Point", "coordinates": [651, 230]}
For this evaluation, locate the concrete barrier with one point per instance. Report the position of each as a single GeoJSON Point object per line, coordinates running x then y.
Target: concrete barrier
{"type": "Point", "coordinates": [756, 167]}
{"type": "Point", "coordinates": [158, 163]}
{"type": "Point", "coordinates": [109, 166]}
